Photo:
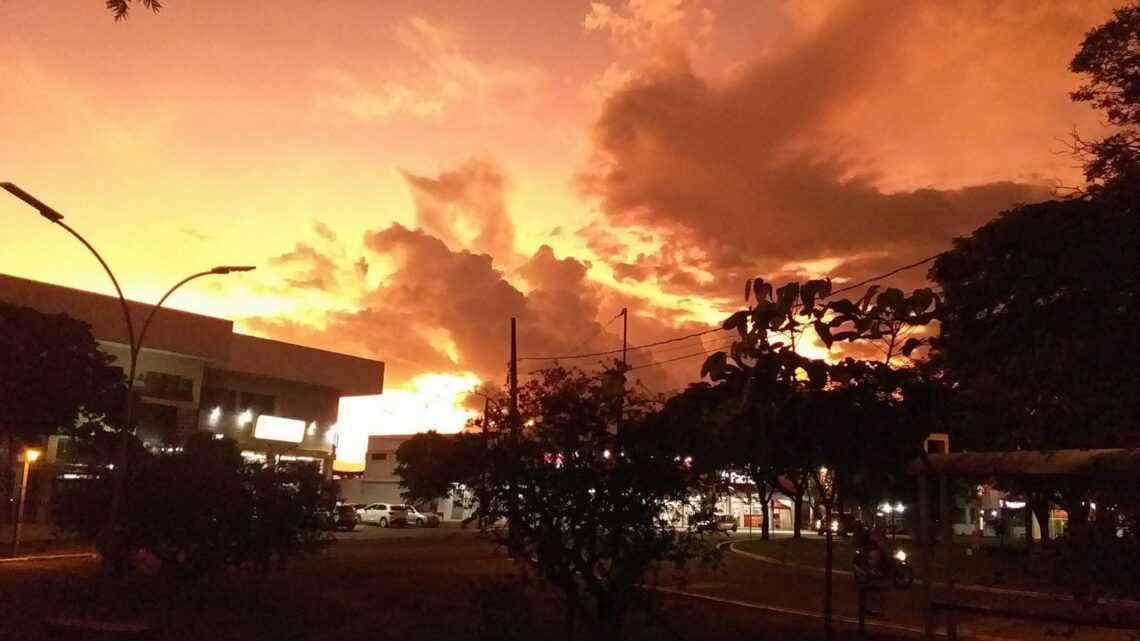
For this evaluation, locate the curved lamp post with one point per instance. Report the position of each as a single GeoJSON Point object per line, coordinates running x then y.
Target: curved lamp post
{"type": "Point", "coordinates": [30, 456]}
{"type": "Point", "coordinates": [134, 342]}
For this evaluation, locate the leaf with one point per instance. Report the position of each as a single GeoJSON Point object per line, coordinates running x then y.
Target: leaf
{"type": "Point", "coordinates": [844, 306]}
{"type": "Point", "coordinates": [763, 289]}
{"type": "Point", "coordinates": [788, 294]}
{"type": "Point", "coordinates": [737, 321]}
{"type": "Point", "coordinates": [920, 300]}
{"type": "Point", "coordinates": [894, 300]}
{"type": "Point", "coordinates": [747, 289]}
{"type": "Point", "coordinates": [715, 365]}
{"type": "Point", "coordinates": [866, 300]}
{"type": "Point", "coordinates": [817, 372]}
{"type": "Point", "coordinates": [824, 333]}
{"type": "Point", "coordinates": [911, 344]}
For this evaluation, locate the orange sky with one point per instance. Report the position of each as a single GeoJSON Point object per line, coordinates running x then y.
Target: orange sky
{"type": "Point", "coordinates": [408, 175]}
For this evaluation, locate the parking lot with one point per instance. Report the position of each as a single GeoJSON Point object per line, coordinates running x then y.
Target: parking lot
{"type": "Point", "coordinates": [366, 531]}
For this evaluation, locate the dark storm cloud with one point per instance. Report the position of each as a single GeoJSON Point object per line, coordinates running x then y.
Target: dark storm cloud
{"type": "Point", "coordinates": [737, 168]}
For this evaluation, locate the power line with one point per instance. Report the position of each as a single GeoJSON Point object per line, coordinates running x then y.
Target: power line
{"type": "Point", "coordinates": [882, 276]}
{"type": "Point", "coordinates": [595, 334]}
{"type": "Point", "coordinates": [677, 358]}
{"type": "Point", "coordinates": [717, 329]}
{"type": "Point", "coordinates": [618, 351]}
{"type": "Point", "coordinates": [724, 341]}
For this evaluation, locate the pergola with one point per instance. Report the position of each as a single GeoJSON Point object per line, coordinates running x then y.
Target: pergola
{"type": "Point", "coordinates": [1093, 464]}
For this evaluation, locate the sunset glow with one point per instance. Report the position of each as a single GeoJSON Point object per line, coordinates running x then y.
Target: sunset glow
{"type": "Point", "coordinates": [409, 176]}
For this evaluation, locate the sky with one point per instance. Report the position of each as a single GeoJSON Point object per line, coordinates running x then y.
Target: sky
{"type": "Point", "coordinates": [409, 175]}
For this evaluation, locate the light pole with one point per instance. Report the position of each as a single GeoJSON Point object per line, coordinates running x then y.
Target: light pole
{"type": "Point", "coordinates": [30, 456]}
{"type": "Point", "coordinates": [134, 341]}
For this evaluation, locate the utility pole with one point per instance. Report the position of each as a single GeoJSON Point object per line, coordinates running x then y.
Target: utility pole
{"type": "Point", "coordinates": [624, 335]}
{"type": "Point", "coordinates": [514, 532]}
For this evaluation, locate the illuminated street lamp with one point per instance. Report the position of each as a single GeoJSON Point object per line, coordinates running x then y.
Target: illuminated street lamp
{"type": "Point", "coordinates": [134, 341]}
{"type": "Point", "coordinates": [30, 456]}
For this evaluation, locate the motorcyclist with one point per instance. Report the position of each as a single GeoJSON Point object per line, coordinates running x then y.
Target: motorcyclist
{"type": "Point", "coordinates": [877, 549]}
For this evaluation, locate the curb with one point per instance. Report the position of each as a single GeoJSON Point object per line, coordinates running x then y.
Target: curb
{"type": "Point", "coordinates": [898, 627]}
{"type": "Point", "coordinates": [967, 587]}
{"type": "Point", "coordinates": [49, 557]}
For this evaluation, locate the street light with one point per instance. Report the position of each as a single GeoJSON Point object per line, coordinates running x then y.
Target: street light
{"type": "Point", "coordinates": [30, 456]}
{"type": "Point", "coordinates": [134, 342]}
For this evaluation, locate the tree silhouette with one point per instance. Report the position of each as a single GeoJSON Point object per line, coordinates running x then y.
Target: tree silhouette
{"type": "Point", "coordinates": [52, 374]}
{"type": "Point", "coordinates": [1110, 56]}
{"type": "Point", "coordinates": [122, 8]}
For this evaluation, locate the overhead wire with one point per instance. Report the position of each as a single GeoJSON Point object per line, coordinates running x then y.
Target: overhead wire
{"type": "Point", "coordinates": [618, 351]}
{"type": "Point", "coordinates": [597, 333]}
{"type": "Point", "coordinates": [841, 290]}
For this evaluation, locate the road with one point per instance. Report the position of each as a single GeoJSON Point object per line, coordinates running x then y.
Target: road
{"type": "Point", "coordinates": [786, 589]}
{"type": "Point", "coordinates": [744, 590]}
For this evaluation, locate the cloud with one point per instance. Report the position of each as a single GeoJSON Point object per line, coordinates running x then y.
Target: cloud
{"type": "Point", "coordinates": [663, 33]}
{"type": "Point", "coordinates": [445, 310]}
{"type": "Point", "coordinates": [740, 166]}
{"type": "Point", "coordinates": [466, 207]}
{"type": "Point", "coordinates": [440, 77]}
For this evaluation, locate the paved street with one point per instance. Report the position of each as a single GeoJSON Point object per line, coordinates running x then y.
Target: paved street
{"type": "Point", "coordinates": [743, 590]}
{"type": "Point", "coordinates": [787, 589]}
{"type": "Point", "coordinates": [365, 531]}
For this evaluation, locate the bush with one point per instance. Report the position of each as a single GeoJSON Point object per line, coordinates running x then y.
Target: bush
{"type": "Point", "coordinates": [203, 509]}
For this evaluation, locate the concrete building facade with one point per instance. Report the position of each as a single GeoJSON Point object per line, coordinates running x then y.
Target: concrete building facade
{"type": "Point", "coordinates": [195, 374]}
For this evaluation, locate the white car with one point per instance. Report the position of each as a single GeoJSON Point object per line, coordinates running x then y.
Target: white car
{"type": "Point", "coordinates": [385, 514]}
{"type": "Point", "coordinates": [421, 519]}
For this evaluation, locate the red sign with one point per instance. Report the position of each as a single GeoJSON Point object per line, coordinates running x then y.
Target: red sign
{"type": "Point", "coordinates": [753, 520]}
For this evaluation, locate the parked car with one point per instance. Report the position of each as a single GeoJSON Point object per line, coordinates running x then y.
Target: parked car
{"type": "Point", "coordinates": [341, 517]}
{"type": "Point", "coordinates": [840, 526]}
{"type": "Point", "coordinates": [719, 523]}
{"type": "Point", "coordinates": [385, 514]}
{"type": "Point", "coordinates": [422, 519]}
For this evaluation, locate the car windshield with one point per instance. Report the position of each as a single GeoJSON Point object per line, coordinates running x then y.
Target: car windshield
{"type": "Point", "coordinates": [344, 509]}
{"type": "Point", "coordinates": [399, 508]}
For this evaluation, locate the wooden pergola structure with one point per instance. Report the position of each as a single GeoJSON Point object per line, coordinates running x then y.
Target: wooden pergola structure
{"type": "Point", "coordinates": [1117, 463]}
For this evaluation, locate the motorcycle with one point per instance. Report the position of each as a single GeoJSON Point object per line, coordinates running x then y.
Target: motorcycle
{"type": "Point", "coordinates": [893, 568]}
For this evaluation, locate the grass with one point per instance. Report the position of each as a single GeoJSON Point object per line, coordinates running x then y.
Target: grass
{"type": "Point", "coordinates": [1005, 567]}
{"type": "Point", "coordinates": [452, 587]}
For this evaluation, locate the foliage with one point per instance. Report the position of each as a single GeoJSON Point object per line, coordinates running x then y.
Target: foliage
{"type": "Point", "coordinates": [1039, 337]}
{"type": "Point", "coordinates": [1110, 56]}
{"type": "Point", "coordinates": [51, 373]}
{"type": "Point", "coordinates": [431, 464]}
{"type": "Point", "coordinates": [122, 8]}
{"type": "Point", "coordinates": [589, 480]}
{"type": "Point", "coordinates": [203, 509]}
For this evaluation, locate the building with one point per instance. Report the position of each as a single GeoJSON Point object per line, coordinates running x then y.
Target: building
{"type": "Point", "coordinates": [378, 482]}
{"type": "Point", "coordinates": [276, 400]}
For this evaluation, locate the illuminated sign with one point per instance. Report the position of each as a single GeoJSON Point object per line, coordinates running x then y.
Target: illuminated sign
{"type": "Point", "coordinates": [275, 428]}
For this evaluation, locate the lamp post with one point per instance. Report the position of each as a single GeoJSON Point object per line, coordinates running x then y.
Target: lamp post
{"type": "Point", "coordinates": [30, 456]}
{"type": "Point", "coordinates": [134, 341]}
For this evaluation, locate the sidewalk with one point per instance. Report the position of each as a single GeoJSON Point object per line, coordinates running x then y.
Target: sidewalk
{"type": "Point", "coordinates": [39, 539]}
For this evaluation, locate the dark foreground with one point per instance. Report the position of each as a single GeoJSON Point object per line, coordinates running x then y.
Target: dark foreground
{"type": "Point", "coordinates": [446, 585]}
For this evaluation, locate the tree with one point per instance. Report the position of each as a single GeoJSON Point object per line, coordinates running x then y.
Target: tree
{"type": "Point", "coordinates": [430, 464]}
{"type": "Point", "coordinates": [122, 8]}
{"type": "Point", "coordinates": [52, 375]}
{"type": "Point", "coordinates": [592, 480]}
{"type": "Point", "coordinates": [1110, 56]}
{"type": "Point", "coordinates": [850, 425]}
{"type": "Point", "coordinates": [767, 370]}
{"type": "Point", "coordinates": [1039, 333]}
{"type": "Point", "coordinates": [203, 509]}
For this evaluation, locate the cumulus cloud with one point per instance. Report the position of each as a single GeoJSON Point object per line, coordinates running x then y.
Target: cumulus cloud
{"type": "Point", "coordinates": [754, 169]}
{"type": "Point", "coordinates": [466, 207]}
{"type": "Point", "coordinates": [439, 309]}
